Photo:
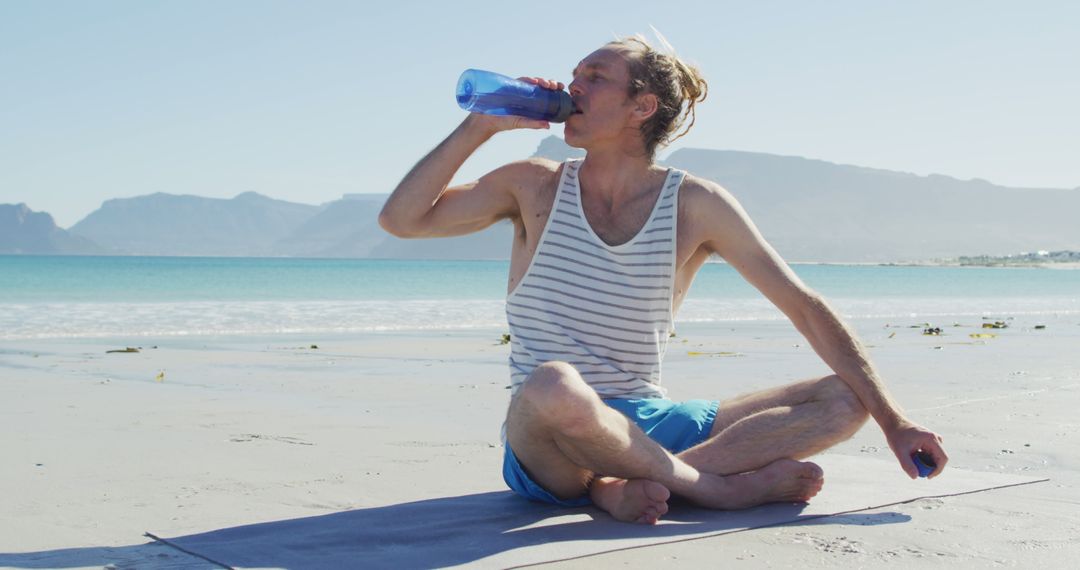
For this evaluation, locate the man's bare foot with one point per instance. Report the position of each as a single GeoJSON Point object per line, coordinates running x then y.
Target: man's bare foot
{"type": "Point", "coordinates": [782, 481]}
{"type": "Point", "coordinates": [635, 500]}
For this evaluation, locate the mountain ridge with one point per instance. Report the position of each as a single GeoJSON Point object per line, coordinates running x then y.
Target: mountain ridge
{"type": "Point", "coordinates": [248, 224]}
{"type": "Point", "coordinates": [24, 231]}
{"type": "Point", "coordinates": [810, 210]}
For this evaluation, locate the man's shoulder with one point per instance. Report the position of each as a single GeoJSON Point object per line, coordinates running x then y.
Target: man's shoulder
{"type": "Point", "coordinates": [534, 165]}
{"type": "Point", "coordinates": [698, 192]}
{"type": "Point", "coordinates": [709, 212]}
{"type": "Point", "coordinates": [531, 173]}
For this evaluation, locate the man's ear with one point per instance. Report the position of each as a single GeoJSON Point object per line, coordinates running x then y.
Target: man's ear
{"type": "Point", "coordinates": [646, 105]}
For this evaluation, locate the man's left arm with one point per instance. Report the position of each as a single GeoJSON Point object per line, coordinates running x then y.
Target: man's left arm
{"type": "Point", "coordinates": [730, 233]}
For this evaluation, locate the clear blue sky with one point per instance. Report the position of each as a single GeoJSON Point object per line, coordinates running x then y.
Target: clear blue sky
{"type": "Point", "coordinates": [305, 101]}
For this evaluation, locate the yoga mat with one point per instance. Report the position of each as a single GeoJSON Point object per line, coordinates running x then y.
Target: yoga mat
{"type": "Point", "coordinates": [500, 530]}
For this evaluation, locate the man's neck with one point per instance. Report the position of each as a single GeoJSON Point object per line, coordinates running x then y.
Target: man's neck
{"type": "Point", "coordinates": [615, 176]}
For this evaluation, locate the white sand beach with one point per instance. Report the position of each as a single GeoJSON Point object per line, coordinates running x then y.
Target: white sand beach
{"type": "Point", "coordinates": [193, 434]}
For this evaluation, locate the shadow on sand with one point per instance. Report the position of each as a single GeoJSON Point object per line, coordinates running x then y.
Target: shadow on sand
{"type": "Point", "coordinates": [486, 529]}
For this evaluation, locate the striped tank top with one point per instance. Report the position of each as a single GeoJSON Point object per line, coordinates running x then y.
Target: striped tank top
{"type": "Point", "coordinates": [606, 310]}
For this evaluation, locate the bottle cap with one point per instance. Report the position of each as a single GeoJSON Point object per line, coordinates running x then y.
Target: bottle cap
{"type": "Point", "coordinates": [924, 462]}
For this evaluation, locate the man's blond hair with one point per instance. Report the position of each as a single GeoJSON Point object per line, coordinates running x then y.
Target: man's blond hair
{"type": "Point", "coordinates": [677, 85]}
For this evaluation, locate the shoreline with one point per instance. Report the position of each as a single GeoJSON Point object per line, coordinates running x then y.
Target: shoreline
{"type": "Point", "coordinates": [495, 332]}
{"type": "Point", "coordinates": [957, 264]}
{"type": "Point", "coordinates": [929, 263]}
{"type": "Point", "coordinates": [711, 260]}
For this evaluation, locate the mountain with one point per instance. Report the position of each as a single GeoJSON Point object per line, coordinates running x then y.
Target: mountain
{"type": "Point", "coordinates": [491, 243]}
{"type": "Point", "coordinates": [809, 210]}
{"type": "Point", "coordinates": [813, 210]}
{"type": "Point", "coordinates": [554, 148]}
{"type": "Point", "coordinates": [166, 224]}
{"type": "Point", "coordinates": [343, 228]}
{"type": "Point", "coordinates": [349, 228]}
{"type": "Point", "coordinates": [23, 230]}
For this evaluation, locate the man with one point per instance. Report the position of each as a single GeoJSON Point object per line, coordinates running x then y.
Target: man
{"type": "Point", "coordinates": [604, 251]}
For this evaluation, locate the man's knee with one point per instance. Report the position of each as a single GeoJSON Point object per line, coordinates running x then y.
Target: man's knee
{"type": "Point", "coordinates": [556, 391]}
{"type": "Point", "coordinates": [845, 410]}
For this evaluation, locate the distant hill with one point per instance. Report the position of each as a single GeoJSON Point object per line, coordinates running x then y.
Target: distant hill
{"type": "Point", "coordinates": [166, 224]}
{"type": "Point", "coordinates": [813, 210]}
{"type": "Point", "coordinates": [349, 228]}
{"type": "Point", "coordinates": [343, 228]}
{"type": "Point", "coordinates": [23, 230]}
{"type": "Point", "coordinates": [492, 243]}
{"type": "Point", "coordinates": [810, 210]}
{"type": "Point", "coordinates": [556, 149]}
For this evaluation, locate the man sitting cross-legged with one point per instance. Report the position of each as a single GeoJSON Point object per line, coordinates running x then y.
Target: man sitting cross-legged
{"type": "Point", "coordinates": [604, 251]}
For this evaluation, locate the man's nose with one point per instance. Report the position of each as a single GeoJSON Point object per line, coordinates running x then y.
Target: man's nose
{"type": "Point", "coordinates": [573, 88]}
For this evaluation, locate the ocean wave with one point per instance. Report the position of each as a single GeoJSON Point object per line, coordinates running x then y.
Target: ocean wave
{"type": "Point", "coordinates": [258, 318]}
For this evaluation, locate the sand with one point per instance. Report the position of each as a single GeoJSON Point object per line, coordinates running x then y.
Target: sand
{"type": "Point", "coordinates": [195, 434]}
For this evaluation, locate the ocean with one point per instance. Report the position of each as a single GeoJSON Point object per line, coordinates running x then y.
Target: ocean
{"type": "Point", "coordinates": [146, 297]}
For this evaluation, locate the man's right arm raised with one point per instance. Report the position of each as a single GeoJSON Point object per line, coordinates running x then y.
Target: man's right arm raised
{"type": "Point", "coordinates": [423, 205]}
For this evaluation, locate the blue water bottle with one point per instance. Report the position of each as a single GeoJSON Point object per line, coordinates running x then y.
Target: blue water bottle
{"type": "Point", "coordinates": [493, 94]}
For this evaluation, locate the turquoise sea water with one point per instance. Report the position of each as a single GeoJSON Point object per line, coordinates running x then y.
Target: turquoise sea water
{"type": "Point", "coordinates": [58, 296]}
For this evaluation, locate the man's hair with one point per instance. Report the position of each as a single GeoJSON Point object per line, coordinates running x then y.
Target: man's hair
{"type": "Point", "coordinates": [678, 87]}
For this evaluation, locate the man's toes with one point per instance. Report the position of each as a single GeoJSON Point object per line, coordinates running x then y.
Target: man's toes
{"type": "Point", "coordinates": [654, 496]}
{"type": "Point", "coordinates": [811, 488]}
{"type": "Point", "coordinates": [656, 492]}
{"type": "Point", "coordinates": [811, 471]}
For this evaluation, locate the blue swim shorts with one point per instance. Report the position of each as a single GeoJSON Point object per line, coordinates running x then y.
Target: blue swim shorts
{"type": "Point", "coordinates": [677, 426]}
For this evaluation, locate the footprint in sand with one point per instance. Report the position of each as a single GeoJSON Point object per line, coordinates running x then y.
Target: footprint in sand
{"type": "Point", "coordinates": [905, 552]}
{"type": "Point", "coordinates": [838, 545]}
{"type": "Point", "coordinates": [931, 504]}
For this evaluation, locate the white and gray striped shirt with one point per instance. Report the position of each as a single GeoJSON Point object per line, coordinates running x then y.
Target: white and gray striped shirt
{"type": "Point", "coordinates": [606, 310]}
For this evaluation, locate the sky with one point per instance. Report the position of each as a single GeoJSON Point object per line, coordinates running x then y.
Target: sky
{"type": "Point", "coordinates": [306, 101]}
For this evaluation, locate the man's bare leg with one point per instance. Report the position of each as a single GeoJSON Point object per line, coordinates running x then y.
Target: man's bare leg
{"type": "Point", "coordinates": [564, 435]}
{"type": "Point", "coordinates": [794, 421]}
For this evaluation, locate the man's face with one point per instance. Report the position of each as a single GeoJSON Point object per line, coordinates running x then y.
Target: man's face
{"type": "Point", "coordinates": [599, 90]}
